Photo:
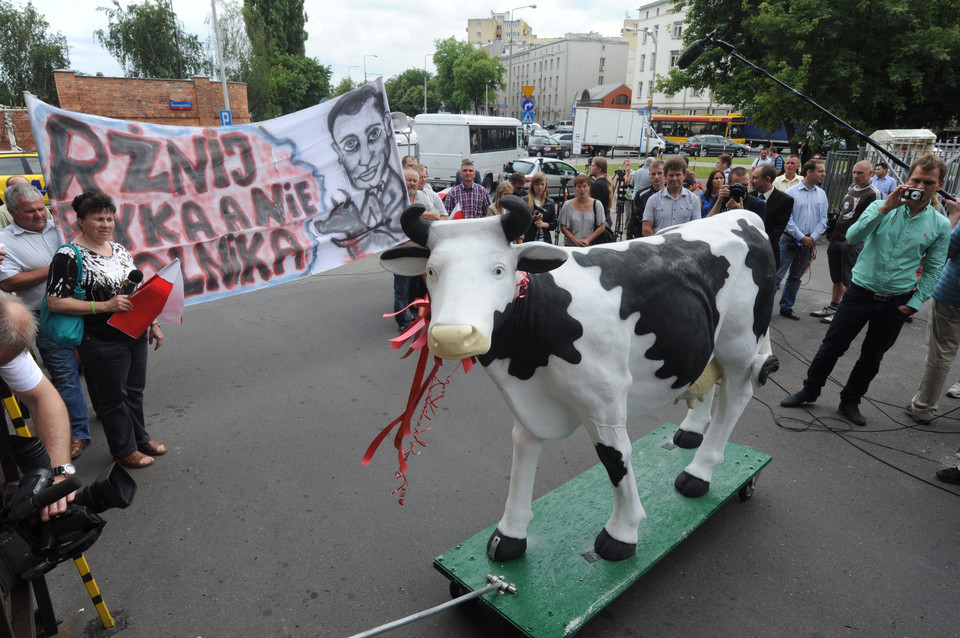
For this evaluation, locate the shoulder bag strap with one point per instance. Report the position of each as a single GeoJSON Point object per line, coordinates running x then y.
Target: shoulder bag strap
{"type": "Point", "coordinates": [78, 292]}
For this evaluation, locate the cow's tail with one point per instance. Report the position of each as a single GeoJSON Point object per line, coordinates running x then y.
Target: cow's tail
{"type": "Point", "coordinates": [764, 362]}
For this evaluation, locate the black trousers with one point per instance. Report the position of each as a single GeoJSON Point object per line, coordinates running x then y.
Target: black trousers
{"type": "Point", "coordinates": [118, 371]}
{"type": "Point", "coordinates": [859, 307]}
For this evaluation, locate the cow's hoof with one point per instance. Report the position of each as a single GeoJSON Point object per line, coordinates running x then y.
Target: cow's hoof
{"type": "Point", "coordinates": [690, 485]}
{"type": "Point", "coordinates": [771, 365]}
{"type": "Point", "coordinates": [609, 548]}
{"type": "Point", "coordinates": [502, 548]}
{"type": "Point", "coordinates": [687, 440]}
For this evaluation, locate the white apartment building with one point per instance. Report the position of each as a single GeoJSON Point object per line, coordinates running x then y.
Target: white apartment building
{"type": "Point", "coordinates": [559, 72]}
{"type": "Point", "coordinates": [655, 41]}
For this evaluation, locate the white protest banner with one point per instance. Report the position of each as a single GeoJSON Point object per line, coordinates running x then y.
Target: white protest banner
{"type": "Point", "coordinates": [241, 207]}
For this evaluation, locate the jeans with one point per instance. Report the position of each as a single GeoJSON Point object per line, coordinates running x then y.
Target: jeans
{"type": "Point", "coordinates": [858, 308]}
{"type": "Point", "coordinates": [401, 298]}
{"type": "Point", "coordinates": [118, 370]}
{"type": "Point", "coordinates": [795, 260]}
{"type": "Point", "coordinates": [61, 363]}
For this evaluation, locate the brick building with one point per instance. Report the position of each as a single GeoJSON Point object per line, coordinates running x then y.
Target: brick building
{"type": "Point", "coordinates": [193, 102]}
{"type": "Point", "coordinates": [607, 96]}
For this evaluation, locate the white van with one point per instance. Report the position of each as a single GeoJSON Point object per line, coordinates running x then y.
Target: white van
{"type": "Point", "coordinates": [446, 139]}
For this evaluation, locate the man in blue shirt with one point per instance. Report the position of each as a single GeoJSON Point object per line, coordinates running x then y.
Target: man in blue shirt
{"type": "Point", "coordinates": [898, 234]}
{"type": "Point", "coordinates": [807, 222]}
{"type": "Point", "coordinates": [884, 183]}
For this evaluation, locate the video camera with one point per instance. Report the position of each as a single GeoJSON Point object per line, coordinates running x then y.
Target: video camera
{"type": "Point", "coordinates": [30, 548]}
{"type": "Point", "coordinates": [620, 173]}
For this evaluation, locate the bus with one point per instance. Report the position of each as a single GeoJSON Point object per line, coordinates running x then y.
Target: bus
{"type": "Point", "coordinates": [677, 128]}
{"type": "Point", "coordinates": [446, 139]}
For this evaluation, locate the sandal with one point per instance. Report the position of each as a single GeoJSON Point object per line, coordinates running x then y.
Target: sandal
{"type": "Point", "coordinates": [153, 447]}
{"type": "Point", "coordinates": [135, 460]}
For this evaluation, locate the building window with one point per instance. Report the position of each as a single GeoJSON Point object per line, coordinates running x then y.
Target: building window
{"type": "Point", "coordinates": [600, 80]}
{"type": "Point", "coordinates": [639, 90]}
{"type": "Point", "coordinates": [650, 88]}
{"type": "Point", "coordinates": [620, 99]}
{"type": "Point", "coordinates": [643, 62]}
{"type": "Point", "coordinates": [603, 61]}
{"type": "Point", "coordinates": [677, 30]}
{"type": "Point", "coordinates": [674, 56]}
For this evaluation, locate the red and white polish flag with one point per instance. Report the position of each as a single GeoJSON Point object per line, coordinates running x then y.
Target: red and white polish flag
{"type": "Point", "coordinates": [160, 299]}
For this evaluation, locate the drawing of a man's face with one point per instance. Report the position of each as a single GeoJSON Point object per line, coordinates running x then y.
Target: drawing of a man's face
{"type": "Point", "coordinates": [362, 141]}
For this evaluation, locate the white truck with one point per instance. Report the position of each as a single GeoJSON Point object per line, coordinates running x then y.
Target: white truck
{"type": "Point", "coordinates": [446, 139]}
{"type": "Point", "coordinates": [598, 131]}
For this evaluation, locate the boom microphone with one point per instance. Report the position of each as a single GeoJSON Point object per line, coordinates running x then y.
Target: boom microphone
{"type": "Point", "coordinates": [696, 49]}
{"type": "Point", "coordinates": [131, 282]}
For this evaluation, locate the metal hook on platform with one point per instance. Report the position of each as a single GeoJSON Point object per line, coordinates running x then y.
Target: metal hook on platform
{"type": "Point", "coordinates": [497, 583]}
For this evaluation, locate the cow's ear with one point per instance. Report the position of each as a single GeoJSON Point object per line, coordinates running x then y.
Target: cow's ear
{"type": "Point", "coordinates": [405, 260]}
{"type": "Point", "coordinates": [538, 256]}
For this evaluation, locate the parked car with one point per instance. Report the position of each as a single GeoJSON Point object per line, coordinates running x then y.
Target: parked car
{"type": "Point", "coordinates": [553, 125]}
{"type": "Point", "coordinates": [670, 148]}
{"type": "Point", "coordinates": [544, 147]}
{"type": "Point", "coordinates": [714, 145]}
{"type": "Point", "coordinates": [22, 163]}
{"type": "Point", "coordinates": [555, 170]}
{"type": "Point", "coordinates": [566, 143]}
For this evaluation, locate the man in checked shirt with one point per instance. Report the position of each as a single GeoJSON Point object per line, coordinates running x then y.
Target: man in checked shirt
{"type": "Point", "coordinates": [472, 198]}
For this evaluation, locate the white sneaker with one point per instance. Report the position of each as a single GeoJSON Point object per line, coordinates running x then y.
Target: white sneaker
{"type": "Point", "coordinates": [827, 311]}
{"type": "Point", "coordinates": [954, 391]}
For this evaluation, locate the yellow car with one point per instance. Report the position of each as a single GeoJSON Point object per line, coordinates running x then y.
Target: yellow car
{"type": "Point", "coordinates": [22, 163]}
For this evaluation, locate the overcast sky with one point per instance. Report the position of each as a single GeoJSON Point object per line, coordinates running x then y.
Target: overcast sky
{"type": "Point", "coordinates": [400, 34]}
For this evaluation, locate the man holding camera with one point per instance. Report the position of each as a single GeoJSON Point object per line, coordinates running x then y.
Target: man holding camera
{"type": "Point", "coordinates": [807, 222]}
{"type": "Point", "coordinates": [897, 234]}
{"type": "Point", "coordinates": [734, 195]}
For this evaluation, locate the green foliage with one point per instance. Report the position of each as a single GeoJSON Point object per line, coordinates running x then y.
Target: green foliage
{"type": "Point", "coordinates": [236, 46]}
{"type": "Point", "coordinates": [282, 21]}
{"type": "Point", "coordinates": [29, 55]}
{"type": "Point", "coordinates": [281, 78]}
{"type": "Point", "coordinates": [874, 65]}
{"type": "Point", "coordinates": [405, 92]}
{"type": "Point", "coordinates": [464, 73]}
{"type": "Point", "coordinates": [345, 86]}
{"type": "Point", "coordinates": [149, 41]}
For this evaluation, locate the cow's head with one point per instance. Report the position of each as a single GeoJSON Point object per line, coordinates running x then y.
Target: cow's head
{"type": "Point", "coordinates": [471, 270]}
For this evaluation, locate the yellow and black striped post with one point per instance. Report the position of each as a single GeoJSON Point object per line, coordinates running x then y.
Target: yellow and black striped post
{"type": "Point", "coordinates": [16, 417]}
{"type": "Point", "coordinates": [94, 592]}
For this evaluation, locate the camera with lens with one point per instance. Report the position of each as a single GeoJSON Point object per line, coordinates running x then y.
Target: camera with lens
{"type": "Point", "coordinates": [738, 192]}
{"type": "Point", "coordinates": [912, 195]}
{"type": "Point", "coordinates": [29, 547]}
{"type": "Point", "coordinates": [620, 173]}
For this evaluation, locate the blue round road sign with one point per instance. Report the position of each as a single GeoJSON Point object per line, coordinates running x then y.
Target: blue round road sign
{"type": "Point", "coordinates": [527, 105]}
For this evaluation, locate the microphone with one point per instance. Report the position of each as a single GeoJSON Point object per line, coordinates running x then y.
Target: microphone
{"type": "Point", "coordinates": [696, 49]}
{"type": "Point", "coordinates": [131, 282]}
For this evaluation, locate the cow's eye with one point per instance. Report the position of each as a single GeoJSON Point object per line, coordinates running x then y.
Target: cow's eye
{"type": "Point", "coordinates": [498, 271]}
{"type": "Point", "coordinates": [431, 271]}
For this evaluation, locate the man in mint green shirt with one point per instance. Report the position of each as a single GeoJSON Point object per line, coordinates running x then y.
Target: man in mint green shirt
{"type": "Point", "coordinates": [898, 234]}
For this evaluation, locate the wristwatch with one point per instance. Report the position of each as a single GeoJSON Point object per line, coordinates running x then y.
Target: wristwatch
{"type": "Point", "coordinates": [66, 469]}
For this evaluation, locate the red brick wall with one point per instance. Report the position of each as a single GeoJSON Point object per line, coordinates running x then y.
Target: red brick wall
{"type": "Point", "coordinates": [20, 123]}
{"type": "Point", "coordinates": [609, 101]}
{"type": "Point", "coordinates": [149, 100]}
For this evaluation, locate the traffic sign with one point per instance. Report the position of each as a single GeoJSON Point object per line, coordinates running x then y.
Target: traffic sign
{"type": "Point", "coordinates": [527, 90]}
{"type": "Point", "coordinates": [526, 106]}
{"type": "Point", "coordinates": [226, 118]}
{"type": "Point", "coordinates": [527, 117]}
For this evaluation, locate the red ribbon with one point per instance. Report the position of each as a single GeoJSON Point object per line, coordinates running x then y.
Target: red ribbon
{"type": "Point", "coordinates": [421, 389]}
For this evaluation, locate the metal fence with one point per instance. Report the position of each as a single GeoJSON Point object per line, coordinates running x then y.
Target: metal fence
{"type": "Point", "coordinates": [839, 165]}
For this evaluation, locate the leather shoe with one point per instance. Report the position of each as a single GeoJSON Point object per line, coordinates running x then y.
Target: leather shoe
{"type": "Point", "coordinates": [798, 399]}
{"type": "Point", "coordinates": [852, 412]}
{"type": "Point", "coordinates": [790, 314]}
{"type": "Point", "coordinates": [949, 475]}
{"type": "Point", "coordinates": [77, 446]}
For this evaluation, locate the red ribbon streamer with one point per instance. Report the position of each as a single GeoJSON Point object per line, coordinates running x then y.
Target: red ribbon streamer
{"type": "Point", "coordinates": [421, 390]}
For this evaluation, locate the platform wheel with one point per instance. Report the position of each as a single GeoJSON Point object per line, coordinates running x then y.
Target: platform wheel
{"type": "Point", "coordinates": [746, 491]}
{"type": "Point", "coordinates": [457, 590]}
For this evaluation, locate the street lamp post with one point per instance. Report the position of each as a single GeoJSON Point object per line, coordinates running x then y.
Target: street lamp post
{"type": "Point", "coordinates": [369, 55]}
{"type": "Point", "coordinates": [510, 63]}
{"type": "Point", "coordinates": [352, 66]}
{"type": "Point", "coordinates": [425, 56]}
{"type": "Point", "coordinates": [636, 61]}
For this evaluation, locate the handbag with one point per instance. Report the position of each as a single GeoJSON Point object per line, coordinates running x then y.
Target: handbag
{"type": "Point", "coordinates": [64, 330]}
{"type": "Point", "coordinates": [606, 237]}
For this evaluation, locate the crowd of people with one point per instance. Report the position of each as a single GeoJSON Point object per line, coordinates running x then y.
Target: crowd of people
{"type": "Point", "coordinates": [40, 271]}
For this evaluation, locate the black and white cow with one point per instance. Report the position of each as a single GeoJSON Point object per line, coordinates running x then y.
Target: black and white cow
{"type": "Point", "coordinates": [597, 335]}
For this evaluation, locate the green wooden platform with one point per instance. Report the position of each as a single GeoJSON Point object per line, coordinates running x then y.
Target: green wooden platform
{"type": "Point", "coordinates": [558, 588]}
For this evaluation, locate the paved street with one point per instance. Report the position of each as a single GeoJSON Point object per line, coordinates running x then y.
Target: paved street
{"type": "Point", "coordinates": [262, 522]}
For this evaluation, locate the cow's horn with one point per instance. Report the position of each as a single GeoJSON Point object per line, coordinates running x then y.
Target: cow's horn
{"type": "Point", "coordinates": [416, 227]}
{"type": "Point", "coordinates": [516, 218]}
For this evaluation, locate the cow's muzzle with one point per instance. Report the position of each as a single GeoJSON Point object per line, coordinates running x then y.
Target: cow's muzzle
{"type": "Point", "coordinates": [449, 341]}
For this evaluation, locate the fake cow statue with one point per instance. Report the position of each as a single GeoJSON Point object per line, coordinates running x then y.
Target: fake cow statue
{"type": "Point", "coordinates": [591, 336]}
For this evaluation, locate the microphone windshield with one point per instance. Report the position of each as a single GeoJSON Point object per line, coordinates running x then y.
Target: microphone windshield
{"type": "Point", "coordinates": [136, 276]}
{"type": "Point", "coordinates": [691, 53]}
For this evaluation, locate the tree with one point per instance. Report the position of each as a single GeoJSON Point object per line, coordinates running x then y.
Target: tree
{"type": "Point", "coordinates": [345, 86]}
{"type": "Point", "coordinates": [874, 65]}
{"type": "Point", "coordinates": [149, 41]}
{"type": "Point", "coordinates": [474, 75]}
{"type": "Point", "coordinates": [448, 52]}
{"type": "Point", "coordinates": [29, 55]}
{"type": "Point", "coordinates": [405, 92]}
{"type": "Point", "coordinates": [282, 79]}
